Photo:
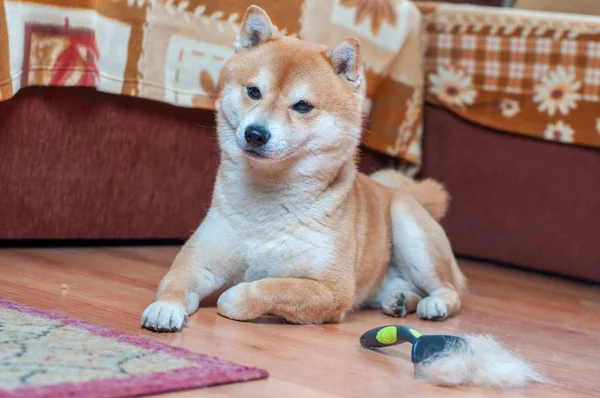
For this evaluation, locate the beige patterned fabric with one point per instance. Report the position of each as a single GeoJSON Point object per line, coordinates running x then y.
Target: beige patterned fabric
{"type": "Point", "coordinates": [173, 50]}
{"type": "Point", "coordinates": [40, 351]}
{"type": "Point", "coordinates": [49, 355]}
{"type": "Point", "coordinates": [586, 7]}
{"type": "Point", "coordinates": [526, 72]}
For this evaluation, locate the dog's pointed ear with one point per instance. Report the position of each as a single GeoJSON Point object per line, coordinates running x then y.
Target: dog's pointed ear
{"type": "Point", "coordinates": [256, 29]}
{"type": "Point", "coordinates": [345, 59]}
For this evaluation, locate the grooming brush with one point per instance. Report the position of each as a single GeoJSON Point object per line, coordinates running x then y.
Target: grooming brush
{"type": "Point", "coordinates": [424, 347]}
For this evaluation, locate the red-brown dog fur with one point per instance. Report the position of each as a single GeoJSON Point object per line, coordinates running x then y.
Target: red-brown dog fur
{"type": "Point", "coordinates": [297, 232]}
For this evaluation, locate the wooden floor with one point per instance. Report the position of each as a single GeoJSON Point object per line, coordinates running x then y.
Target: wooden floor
{"type": "Point", "coordinates": [553, 323]}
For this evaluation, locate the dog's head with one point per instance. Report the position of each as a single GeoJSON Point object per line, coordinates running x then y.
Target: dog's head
{"type": "Point", "coordinates": [282, 98]}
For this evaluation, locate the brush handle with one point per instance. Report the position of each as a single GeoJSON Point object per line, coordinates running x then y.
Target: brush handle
{"type": "Point", "coordinates": [387, 336]}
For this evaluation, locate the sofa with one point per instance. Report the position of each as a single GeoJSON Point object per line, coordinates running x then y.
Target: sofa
{"type": "Point", "coordinates": [80, 164]}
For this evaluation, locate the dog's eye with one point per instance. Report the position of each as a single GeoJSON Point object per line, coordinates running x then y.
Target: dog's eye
{"type": "Point", "coordinates": [302, 106]}
{"type": "Point", "coordinates": [253, 92]}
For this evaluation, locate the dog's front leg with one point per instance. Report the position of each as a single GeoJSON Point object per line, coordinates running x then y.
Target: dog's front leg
{"type": "Point", "coordinates": [303, 301]}
{"type": "Point", "coordinates": [207, 262]}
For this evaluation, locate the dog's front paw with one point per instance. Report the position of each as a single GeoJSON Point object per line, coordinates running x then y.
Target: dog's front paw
{"type": "Point", "coordinates": [164, 316]}
{"type": "Point", "coordinates": [432, 308]}
{"type": "Point", "coordinates": [236, 303]}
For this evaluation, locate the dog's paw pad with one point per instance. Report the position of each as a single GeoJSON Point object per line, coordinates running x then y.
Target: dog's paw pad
{"type": "Point", "coordinates": [396, 306]}
{"type": "Point", "coordinates": [432, 308]}
{"type": "Point", "coordinates": [164, 316]}
{"type": "Point", "coordinates": [399, 307]}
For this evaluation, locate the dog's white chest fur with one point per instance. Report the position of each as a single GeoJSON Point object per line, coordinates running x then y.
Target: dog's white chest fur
{"type": "Point", "coordinates": [292, 251]}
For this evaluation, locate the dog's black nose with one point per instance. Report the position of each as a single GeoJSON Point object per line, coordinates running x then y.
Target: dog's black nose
{"type": "Point", "coordinates": [257, 135]}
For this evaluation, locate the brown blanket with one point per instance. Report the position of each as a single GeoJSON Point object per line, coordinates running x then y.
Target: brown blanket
{"type": "Point", "coordinates": [173, 50]}
{"type": "Point", "coordinates": [526, 72]}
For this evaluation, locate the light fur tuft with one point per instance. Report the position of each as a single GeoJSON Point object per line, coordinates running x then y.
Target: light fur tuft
{"type": "Point", "coordinates": [482, 362]}
{"type": "Point", "coordinates": [429, 193]}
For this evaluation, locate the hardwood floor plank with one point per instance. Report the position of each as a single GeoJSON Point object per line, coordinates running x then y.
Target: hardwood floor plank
{"type": "Point", "coordinates": [554, 323]}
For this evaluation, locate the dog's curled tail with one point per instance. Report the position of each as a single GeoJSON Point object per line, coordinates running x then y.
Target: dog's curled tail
{"type": "Point", "coordinates": [432, 196]}
{"type": "Point", "coordinates": [429, 193]}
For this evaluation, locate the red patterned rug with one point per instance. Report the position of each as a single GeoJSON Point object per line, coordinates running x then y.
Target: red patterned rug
{"type": "Point", "coordinates": [48, 355]}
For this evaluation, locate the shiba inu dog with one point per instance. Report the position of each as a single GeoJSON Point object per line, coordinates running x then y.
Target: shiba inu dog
{"type": "Point", "coordinates": [294, 230]}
